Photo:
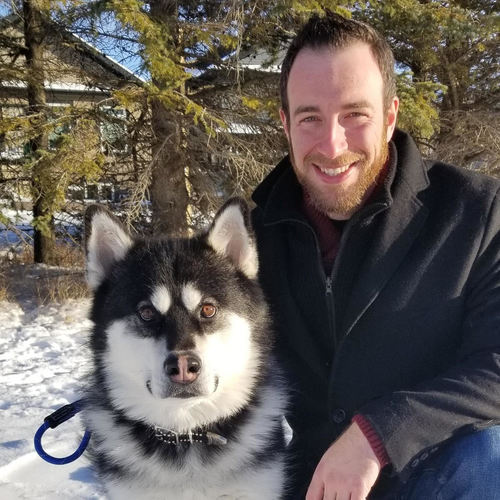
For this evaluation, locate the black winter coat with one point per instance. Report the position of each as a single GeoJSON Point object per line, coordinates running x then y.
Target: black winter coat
{"type": "Point", "coordinates": [406, 330]}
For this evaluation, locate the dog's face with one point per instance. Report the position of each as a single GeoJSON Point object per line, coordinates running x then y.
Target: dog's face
{"type": "Point", "coordinates": [177, 321]}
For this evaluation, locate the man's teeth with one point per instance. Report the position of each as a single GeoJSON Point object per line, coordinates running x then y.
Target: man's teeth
{"type": "Point", "coordinates": [334, 171]}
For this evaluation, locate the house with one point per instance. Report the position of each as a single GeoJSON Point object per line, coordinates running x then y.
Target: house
{"type": "Point", "coordinates": [77, 75]}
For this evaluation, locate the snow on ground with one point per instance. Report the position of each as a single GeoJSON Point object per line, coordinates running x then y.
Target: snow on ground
{"type": "Point", "coordinates": [43, 358]}
{"type": "Point", "coordinates": [20, 229]}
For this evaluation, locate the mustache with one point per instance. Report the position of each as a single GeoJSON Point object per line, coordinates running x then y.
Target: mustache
{"type": "Point", "coordinates": [343, 160]}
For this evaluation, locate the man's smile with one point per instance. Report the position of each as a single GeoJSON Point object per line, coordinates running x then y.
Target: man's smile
{"type": "Point", "coordinates": [334, 175]}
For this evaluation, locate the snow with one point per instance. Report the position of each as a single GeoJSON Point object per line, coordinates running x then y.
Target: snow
{"type": "Point", "coordinates": [43, 359]}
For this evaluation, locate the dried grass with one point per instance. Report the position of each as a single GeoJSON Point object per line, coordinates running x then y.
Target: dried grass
{"type": "Point", "coordinates": [64, 256]}
{"type": "Point", "coordinates": [60, 288]}
{"type": "Point", "coordinates": [5, 295]}
{"type": "Point", "coordinates": [21, 280]}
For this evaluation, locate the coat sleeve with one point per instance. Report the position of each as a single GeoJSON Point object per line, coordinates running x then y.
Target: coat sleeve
{"type": "Point", "coordinates": [413, 424]}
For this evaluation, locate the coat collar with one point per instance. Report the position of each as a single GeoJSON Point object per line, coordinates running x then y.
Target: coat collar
{"type": "Point", "coordinates": [396, 230]}
{"type": "Point", "coordinates": [279, 195]}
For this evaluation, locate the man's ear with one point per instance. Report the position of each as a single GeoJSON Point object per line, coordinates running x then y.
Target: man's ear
{"type": "Point", "coordinates": [391, 117]}
{"type": "Point", "coordinates": [106, 242]}
{"type": "Point", "coordinates": [284, 121]}
{"type": "Point", "coordinates": [231, 235]}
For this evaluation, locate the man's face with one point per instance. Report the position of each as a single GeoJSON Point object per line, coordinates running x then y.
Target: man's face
{"type": "Point", "coordinates": [337, 128]}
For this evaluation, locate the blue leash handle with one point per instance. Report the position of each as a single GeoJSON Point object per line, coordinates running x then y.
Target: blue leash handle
{"type": "Point", "coordinates": [52, 421]}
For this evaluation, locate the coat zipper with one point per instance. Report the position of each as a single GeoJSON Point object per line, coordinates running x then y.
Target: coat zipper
{"type": "Point", "coordinates": [328, 285]}
{"type": "Point", "coordinates": [330, 306]}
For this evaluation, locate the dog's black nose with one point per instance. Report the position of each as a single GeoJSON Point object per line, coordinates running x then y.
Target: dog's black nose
{"type": "Point", "coordinates": [182, 368]}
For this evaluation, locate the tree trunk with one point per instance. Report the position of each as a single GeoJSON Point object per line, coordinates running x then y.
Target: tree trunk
{"type": "Point", "coordinates": [34, 34]}
{"type": "Point", "coordinates": [169, 194]}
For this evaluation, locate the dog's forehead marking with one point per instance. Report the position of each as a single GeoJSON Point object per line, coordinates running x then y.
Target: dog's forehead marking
{"type": "Point", "coordinates": [191, 296]}
{"type": "Point", "coordinates": [161, 299]}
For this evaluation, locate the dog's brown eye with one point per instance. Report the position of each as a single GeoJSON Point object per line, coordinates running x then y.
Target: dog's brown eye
{"type": "Point", "coordinates": [208, 311]}
{"type": "Point", "coordinates": [147, 313]}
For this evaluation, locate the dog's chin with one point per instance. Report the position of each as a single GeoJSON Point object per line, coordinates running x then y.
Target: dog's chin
{"type": "Point", "coordinates": [182, 391]}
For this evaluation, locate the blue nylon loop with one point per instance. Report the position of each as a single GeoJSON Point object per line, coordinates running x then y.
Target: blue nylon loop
{"type": "Point", "coordinates": [52, 421]}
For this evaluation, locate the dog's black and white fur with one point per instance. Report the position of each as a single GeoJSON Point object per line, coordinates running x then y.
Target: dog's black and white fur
{"type": "Point", "coordinates": [185, 401]}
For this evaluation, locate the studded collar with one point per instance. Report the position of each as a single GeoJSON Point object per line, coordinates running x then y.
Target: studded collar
{"type": "Point", "coordinates": [196, 436]}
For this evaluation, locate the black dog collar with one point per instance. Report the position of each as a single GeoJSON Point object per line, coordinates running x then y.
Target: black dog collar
{"type": "Point", "coordinates": [196, 436]}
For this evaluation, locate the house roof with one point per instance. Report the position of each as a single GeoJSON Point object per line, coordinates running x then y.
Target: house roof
{"type": "Point", "coordinates": [262, 60]}
{"type": "Point", "coordinates": [86, 47]}
{"type": "Point", "coordinates": [106, 60]}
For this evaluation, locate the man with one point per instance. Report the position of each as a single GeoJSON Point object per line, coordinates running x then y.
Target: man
{"type": "Point", "coordinates": [383, 272]}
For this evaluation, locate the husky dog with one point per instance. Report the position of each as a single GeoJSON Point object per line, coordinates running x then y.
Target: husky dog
{"type": "Point", "coordinates": [185, 401]}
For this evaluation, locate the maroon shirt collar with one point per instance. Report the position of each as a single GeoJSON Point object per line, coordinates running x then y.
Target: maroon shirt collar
{"type": "Point", "coordinates": [329, 231]}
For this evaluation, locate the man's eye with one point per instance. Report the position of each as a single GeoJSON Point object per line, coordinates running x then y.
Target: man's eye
{"type": "Point", "coordinates": [147, 313]}
{"type": "Point", "coordinates": [356, 114]}
{"type": "Point", "coordinates": [310, 119]}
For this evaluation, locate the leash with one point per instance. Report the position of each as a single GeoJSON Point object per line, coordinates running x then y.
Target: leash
{"type": "Point", "coordinates": [52, 421]}
{"type": "Point", "coordinates": [69, 411]}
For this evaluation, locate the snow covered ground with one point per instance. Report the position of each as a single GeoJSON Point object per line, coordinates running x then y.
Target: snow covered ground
{"type": "Point", "coordinates": [43, 358]}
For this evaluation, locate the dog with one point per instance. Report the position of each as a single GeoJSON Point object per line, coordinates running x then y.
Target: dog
{"type": "Point", "coordinates": [185, 400]}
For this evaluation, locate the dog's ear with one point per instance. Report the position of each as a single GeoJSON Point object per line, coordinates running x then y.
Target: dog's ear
{"type": "Point", "coordinates": [106, 242]}
{"type": "Point", "coordinates": [231, 235]}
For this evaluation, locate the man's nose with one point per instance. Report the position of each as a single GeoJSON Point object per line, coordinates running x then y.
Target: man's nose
{"type": "Point", "coordinates": [333, 140]}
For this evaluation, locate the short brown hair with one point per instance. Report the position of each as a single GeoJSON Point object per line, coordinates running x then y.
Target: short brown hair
{"type": "Point", "coordinates": [335, 31]}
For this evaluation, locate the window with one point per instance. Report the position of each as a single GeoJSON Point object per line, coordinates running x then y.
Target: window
{"type": "Point", "coordinates": [12, 144]}
{"type": "Point", "coordinates": [114, 131]}
{"type": "Point", "coordinates": [106, 192]}
{"type": "Point", "coordinates": [101, 191]}
{"type": "Point", "coordinates": [92, 192]}
{"type": "Point", "coordinates": [55, 112]}
{"type": "Point", "coordinates": [76, 193]}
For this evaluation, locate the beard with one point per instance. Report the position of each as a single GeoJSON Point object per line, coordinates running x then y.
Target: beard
{"type": "Point", "coordinates": [335, 200]}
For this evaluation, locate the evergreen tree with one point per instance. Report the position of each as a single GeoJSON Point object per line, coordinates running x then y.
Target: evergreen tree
{"type": "Point", "coordinates": [204, 125]}
{"type": "Point", "coordinates": [51, 159]}
{"type": "Point", "coordinates": [453, 47]}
